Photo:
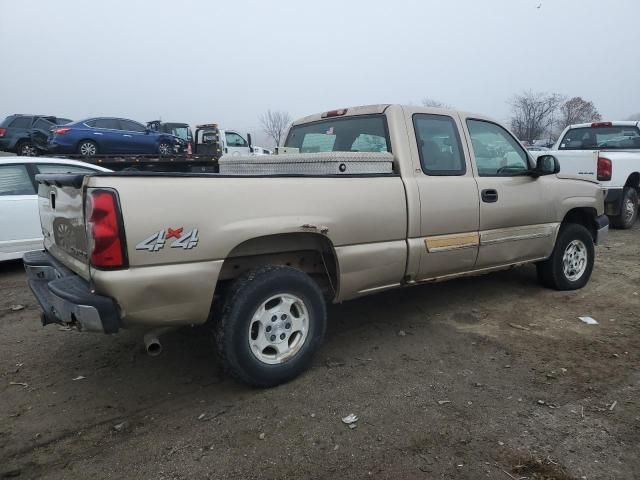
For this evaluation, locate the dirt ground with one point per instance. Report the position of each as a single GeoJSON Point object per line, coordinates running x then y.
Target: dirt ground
{"type": "Point", "coordinates": [487, 377]}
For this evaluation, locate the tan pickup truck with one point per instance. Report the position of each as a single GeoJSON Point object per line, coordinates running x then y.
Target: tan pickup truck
{"type": "Point", "coordinates": [419, 195]}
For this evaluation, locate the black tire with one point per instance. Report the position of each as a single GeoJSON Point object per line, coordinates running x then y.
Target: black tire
{"type": "Point", "coordinates": [165, 149]}
{"type": "Point", "coordinates": [88, 148]}
{"type": "Point", "coordinates": [26, 149]}
{"type": "Point", "coordinates": [552, 273]}
{"type": "Point", "coordinates": [235, 329]}
{"type": "Point", "coordinates": [628, 209]}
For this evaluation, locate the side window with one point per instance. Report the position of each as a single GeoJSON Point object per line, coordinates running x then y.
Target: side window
{"type": "Point", "coordinates": [14, 180]}
{"type": "Point", "coordinates": [496, 152]}
{"type": "Point", "coordinates": [132, 126]}
{"type": "Point", "coordinates": [60, 168]}
{"type": "Point", "coordinates": [110, 123]}
{"type": "Point", "coordinates": [439, 145]}
{"type": "Point", "coordinates": [21, 122]}
{"type": "Point", "coordinates": [235, 140]}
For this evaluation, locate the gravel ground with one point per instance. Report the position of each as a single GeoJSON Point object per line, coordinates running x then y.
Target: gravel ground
{"type": "Point", "coordinates": [486, 377]}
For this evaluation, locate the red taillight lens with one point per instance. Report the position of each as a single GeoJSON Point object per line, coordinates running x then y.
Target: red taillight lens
{"type": "Point", "coordinates": [2, 132]}
{"type": "Point", "coordinates": [61, 131]}
{"type": "Point", "coordinates": [103, 226]}
{"type": "Point", "coordinates": [604, 169]}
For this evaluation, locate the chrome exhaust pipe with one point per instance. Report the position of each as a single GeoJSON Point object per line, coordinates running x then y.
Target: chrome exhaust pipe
{"type": "Point", "coordinates": [152, 344]}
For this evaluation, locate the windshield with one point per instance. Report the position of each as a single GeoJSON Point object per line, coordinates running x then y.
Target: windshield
{"type": "Point", "coordinates": [364, 133]}
{"type": "Point", "coordinates": [593, 138]}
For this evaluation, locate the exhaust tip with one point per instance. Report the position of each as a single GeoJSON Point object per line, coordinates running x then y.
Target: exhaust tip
{"type": "Point", "coordinates": [154, 348]}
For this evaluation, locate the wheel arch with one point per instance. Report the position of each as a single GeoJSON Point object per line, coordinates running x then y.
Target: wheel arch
{"type": "Point", "coordinates": [585, 216]}
{"type": "Point", "coordinates": [312, 253]}
{"type": "Point", "coordinates": [92, 140]}
{"type": "Point", "coordinates": [633, 181]}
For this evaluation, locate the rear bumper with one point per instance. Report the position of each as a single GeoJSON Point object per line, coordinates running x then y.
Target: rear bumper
{"type": "Point", "coordinates": [602, 229]}
{"type": "Point", "coordinates": [66, 298]}
{"type": "Point", "coordinates": [613, 201]}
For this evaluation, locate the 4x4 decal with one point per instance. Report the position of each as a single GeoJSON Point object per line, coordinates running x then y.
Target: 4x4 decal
{"type": "Point", "coordinates": [157, 241]}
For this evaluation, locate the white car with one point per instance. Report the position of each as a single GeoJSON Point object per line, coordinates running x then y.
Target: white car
{"type": "Point", "coordinates": [20, 230]}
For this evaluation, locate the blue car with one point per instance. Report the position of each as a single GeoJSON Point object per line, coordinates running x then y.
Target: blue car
{"type": "Point", "coordinates": [111, 136]}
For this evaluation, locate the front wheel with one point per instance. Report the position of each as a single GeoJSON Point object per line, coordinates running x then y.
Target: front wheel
{"type": "Point", "coordinates": [27, 149]}
{"type": "Point", "coordinates": [628, 209]}
{"type": "Point", "coordinates": [164, 149]}
{"type": "Point", "coordinates": [570, 265]}
{"type": "Point", "coordinates": [272, 323]}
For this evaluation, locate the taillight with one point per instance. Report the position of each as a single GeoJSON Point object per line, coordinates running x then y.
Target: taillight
{"type": "Point", "coordinates": [601, 124]}
{"type": "Point", "coordinates": [604, 169]}
{"type": "Point", "coordinates": [61, 131]}
{"type": "Point", "coordinates": [2, 132]}
{"type": "Point", "coordinates": [106, 247]}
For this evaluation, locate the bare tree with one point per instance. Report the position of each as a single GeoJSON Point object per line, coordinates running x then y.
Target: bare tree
{"type": "Point", "coordinates": [532, 114]}
{"type": "Point", "coordinates": [274, 124]}
{"type": "Point", "coordinates": [577, 110]}
{"type": "Point", "coordinates": [430, 102]}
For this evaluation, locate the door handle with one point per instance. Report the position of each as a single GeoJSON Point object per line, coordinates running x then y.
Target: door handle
{"type": "Point", "coordinates": [97, 133]}
{"type": "Point", "coordinates": [127, 136]}
{"type": "Point", "coordinates": [489, 195]}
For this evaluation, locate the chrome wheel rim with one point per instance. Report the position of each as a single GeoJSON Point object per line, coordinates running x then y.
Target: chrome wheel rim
{"type": "Point", "coordinates": [278, 328]}
{"type": "Point", "coordinates": [164, 149]}
{"type": "Point", "coordinates": [28, 151]}
{"type": "Point", "coordinates": [574, 260]}
{"type": "Point", "coordinates": [629, 210]}
{"type": "Point", "coordinates": [88, 149]}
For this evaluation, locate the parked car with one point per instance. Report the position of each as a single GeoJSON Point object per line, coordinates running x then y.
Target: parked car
{"type": "Point", "coordinates": [16, 132]}
{"type": "Point", "coordinates": [21, 230]}
{"type": "Point", "coordinates": [610, 153]}
{"type": "Point", "coordinates": [394, 196]}
{"type": "Point", "coordinates": [107, 136]}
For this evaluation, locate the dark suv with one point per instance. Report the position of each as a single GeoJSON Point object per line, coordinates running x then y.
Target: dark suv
{"type": "Point", "coordinates": [20, 133]}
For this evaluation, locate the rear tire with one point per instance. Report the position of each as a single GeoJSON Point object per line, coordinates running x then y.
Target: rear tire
{"type": "Point", "coordinates": [570, 265]}
{"type": "Point", "coordinates": [26, 149]}
{"type": "Point", "coordinates": [272, 323]}
{"type": "Point", "coordinates": [628, 209]}
{"type": "Point", "coordinates": [88, 148]}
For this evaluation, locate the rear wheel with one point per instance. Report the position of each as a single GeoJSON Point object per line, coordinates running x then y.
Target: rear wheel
{"type": "Point", "coordinates": [570, 265]}
{"type": "Point", "coordinates": [628, 209]}
{"type": "Point", "coordinates": [272, 323]}
{"type": "Point", "coordinates": [87, 148]}
{"type": "Point", "coordinates": [27, 149]}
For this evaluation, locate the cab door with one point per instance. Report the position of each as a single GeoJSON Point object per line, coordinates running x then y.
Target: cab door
{"type": "Point", "coordinates": [517, 220]}
{"type": "Point", "coordinates": [235, 144]}
{"type": "Point", "coordinates": [448, 195]}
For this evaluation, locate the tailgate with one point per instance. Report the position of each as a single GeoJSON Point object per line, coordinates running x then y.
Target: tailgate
{"type": "Point", "coordinates": [576, 164]}
{"type": "Point", "coordinates": [61, 206]}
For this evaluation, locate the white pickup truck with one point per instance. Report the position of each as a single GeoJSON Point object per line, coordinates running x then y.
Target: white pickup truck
{"type": "Point", "coordinates": [609, 152]}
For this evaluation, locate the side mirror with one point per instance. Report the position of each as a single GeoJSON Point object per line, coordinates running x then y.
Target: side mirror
{"type": "Point", "coordinates": [546, 165]}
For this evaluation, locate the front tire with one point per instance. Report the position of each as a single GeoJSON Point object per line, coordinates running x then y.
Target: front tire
{"type": "Point", "coordinates": [27, 149]}
{"type": "Point", "coordinates": [272, 323]}
{"type": "Point", "coordinates": [164, 149]}
{"type": "Point", "coordinates": [628, 209]}
{"type": "Point", "coordinates": [87, 148]}
{"type": "Point", "coordinates": [570, 265]}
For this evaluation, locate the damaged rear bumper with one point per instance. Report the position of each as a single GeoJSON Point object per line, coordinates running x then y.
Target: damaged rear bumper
{"type": "Point", "coordinates": [66, 298]}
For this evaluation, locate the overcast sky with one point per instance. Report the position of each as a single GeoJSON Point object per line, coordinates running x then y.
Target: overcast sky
{"type": "Point", "coordinates": [227, 62]}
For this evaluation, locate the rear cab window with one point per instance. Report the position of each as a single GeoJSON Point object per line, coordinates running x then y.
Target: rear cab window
{"type": "Point", "coordinates": [15, 180]}
{"type": "Point", "coordinates": [439, 145]}
{"type": "Point", "coordinates": [361, 133]}
{"type": "Point", "coordinates": [601, 137]}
